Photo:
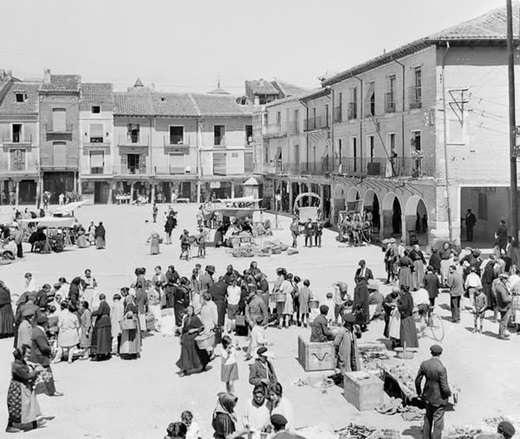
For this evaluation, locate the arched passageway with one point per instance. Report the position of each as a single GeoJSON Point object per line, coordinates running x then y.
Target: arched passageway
{"type": "Point", "coordinates": [416, 221]}
{"type": "Point", "coordinates": [392, 216]}
{"type": "Point", "coordinates": [371, 204]}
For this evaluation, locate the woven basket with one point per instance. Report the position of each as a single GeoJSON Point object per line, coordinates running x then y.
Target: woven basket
{"type": "Point", "coordinates": [205, 341]}
{"type": "Point", "coordinates": [128, 324]}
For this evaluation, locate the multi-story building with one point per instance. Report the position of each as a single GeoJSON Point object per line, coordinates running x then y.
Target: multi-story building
{"type": "Point", "coordinates": [417, 135]}
{"type": "Point", "coordinates": [96, 119]}
{"type": "Point", "coordinates": [19, 137]}
{"type": "Point", "coordinates": [59, 133]}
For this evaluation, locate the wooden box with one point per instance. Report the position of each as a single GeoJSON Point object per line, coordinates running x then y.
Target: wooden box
{"type": "Point", "coordinates": [363, 390]}
{"type": "Point", "coordinates": [316, 356]}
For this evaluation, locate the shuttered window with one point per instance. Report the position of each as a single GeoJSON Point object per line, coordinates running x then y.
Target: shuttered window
{"type": "Point", "coordinates": [97, 162]}
{"type": "Point", "coordinates": [59, 120]}
{"type": "Point", "coordinates": [96, 133]}
{"type": "Point", "coordinates": [18, 160]}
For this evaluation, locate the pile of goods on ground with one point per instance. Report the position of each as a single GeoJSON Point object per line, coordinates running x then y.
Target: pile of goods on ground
{"type": "Point", "coordinates": [245, 251]}
{"type": "Point", "coordinates": [352, 431]}
{"type": "Point", "coordinates": [276, 247]}
{"type": "Point", "coordinates": [488, 426]}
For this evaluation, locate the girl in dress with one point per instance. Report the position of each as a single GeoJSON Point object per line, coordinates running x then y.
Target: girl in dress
{"type": "Point", "coordinates": [229, 371]}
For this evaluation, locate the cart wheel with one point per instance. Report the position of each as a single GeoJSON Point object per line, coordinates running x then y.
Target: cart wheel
{"type": "Point", "coordinates": [437, 327]}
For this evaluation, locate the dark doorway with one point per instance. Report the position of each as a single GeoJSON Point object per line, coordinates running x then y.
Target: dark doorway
{"type": "Point", "coordinates": [101, 189]}
{"type": "Point", "coordinates": [396, 217]}
{"type": "Point", "coordinates": [58, 183]}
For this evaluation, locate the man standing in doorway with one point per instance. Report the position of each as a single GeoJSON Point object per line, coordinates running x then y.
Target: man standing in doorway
{"type": "Point", "coordinates": [435, 393]}
{"type": "Point", "coordinates": [470, 222]}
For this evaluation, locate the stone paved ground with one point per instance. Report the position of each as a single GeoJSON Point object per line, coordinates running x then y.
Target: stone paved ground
{"type": "Point", "coordinates": [137, 399]}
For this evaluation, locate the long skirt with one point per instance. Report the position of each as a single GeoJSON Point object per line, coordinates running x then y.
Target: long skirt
{"type": "Point", "coordinates": [154, 247]}
{"type": "Point", "coordinates": [408, 334]}
{"type": "Point", "coordinates": [418, 274]}
{"type": "Point", "coordinates": [192, 357]}
{"type": "Point", "coordinates": [515, 308]}
{"type": "Point", "coordinates": [101, 338]}
{"type": "Point", "coordinates": [6, 321]}
{"type": "Point", "coordinates": [100, 242]}
{"type": "Point", "coordinates": [288, 307]}
{"type": "Point", "coordinates": [130, 342]}
{"type": "Point", "coordinates": [445, 270]}
{"type": "Point", "coordinates": [22, 404]}
{"type": "Point", "coordinates": [82, 241]}
{"type": "Point", "coordinates": [405, 277]}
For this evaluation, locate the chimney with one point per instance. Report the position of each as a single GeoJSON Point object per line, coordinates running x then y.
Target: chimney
{"type": "Point", "coordinates": [47, 76]}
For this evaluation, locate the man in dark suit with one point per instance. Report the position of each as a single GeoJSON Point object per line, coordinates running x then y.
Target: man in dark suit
{"type": "Point", "coordinates": [469, 221]}
{"type": "Point", "coordinates": [363, 273]}
{"type": "Point", "coordinates": [320, 331]}
{"type": "Point", "coordinates": [435, 393]}
{"type": "Point", "coordinates": [41, 353]}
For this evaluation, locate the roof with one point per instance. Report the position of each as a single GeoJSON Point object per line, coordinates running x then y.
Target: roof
{"type": "Point", "coordinates": [302, 97]}
{"type": "Point", "coordinates": [218, 91]}
{"type": "Point", "coordinates": [287, 88]}
{"type": "Point", "coordinates": [487, 28]}
{"type": "Point", "coordinates": [62, 84]}
{"type": "Point", "coordinates": [148, 103]}
{"type": "Point", "coordinates": [261, 87]}
{"type": "Point", "coordinates": [9, 106]}
{"type": "Point", "coordinates": [96, 93]}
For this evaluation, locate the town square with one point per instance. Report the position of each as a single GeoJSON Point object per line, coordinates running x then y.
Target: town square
{"type": "Point", "coordinates": [323, 244]}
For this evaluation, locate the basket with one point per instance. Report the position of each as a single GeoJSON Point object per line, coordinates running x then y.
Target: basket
{"type": "Point", "coordinates": [205, 341]}
{"type": "Point", "coordinates": [128, 324]}
{"type": "Point", "coordinates": [240, 320]}
{"type": "Point", "coordinates": [280, 297]}
{"type": "Point", "coordinates": [314, 304]}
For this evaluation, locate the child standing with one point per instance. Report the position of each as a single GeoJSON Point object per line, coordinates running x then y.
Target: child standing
{"type": "Point", "coordinates": [229, 370]}
{"type": "Point", "coordinates": [193, 428]}
{"type": "Point", "coordinates": [257, 337]}
{"type": "Point", "coordinates": [480, 308]}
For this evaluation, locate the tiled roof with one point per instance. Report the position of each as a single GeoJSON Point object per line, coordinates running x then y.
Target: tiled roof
{"type": "Point", "coordinates": [96, 93]}
{"type": "Point", "coordinates": [489, 27]}
{"type": "Point", "coordinates": [149, 103]}
{"type": "Point", "coordinates": [9, 106]}
{"type": "Point", "coordinates": [62, 83]}
{"type": "Point", "coordinates": [220, 105]}
{"type": "Point", "coordinates": [287, 88]}
{"type": "Point", "coordinates": [261, 87]}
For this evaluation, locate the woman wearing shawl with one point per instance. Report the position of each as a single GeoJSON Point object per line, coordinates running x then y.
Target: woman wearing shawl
{"type": "Point", "coordinates": [100, 234]}
{"type": "Point", "coordinates": [417, 257]}
{"type": "Point", "coordinates": [22, 404]}
{"type": "Point", "coordinates": [224, 418]}
{"type": "Point", "coordinates": [6, 312]}
{"type": "Point", "coordinates": [154, 242]}
{"type": "Point", "coordinates": [130, 334]}
{"type": "Point", "coordinates": [117, 312]}
{"type": "Point", "coordinates": [75, 288]}
{"type": "Point", "coordinates": [408, 336]}
{"type": "Point", "coordinates": [102, 332]}
{"type": "Point", "coordinates": [346, 345]}
{"type": "Point", "coordinates": [192, 358]}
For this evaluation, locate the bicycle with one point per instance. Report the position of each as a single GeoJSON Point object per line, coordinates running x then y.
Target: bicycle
{"type": "Point", "coordinates": [435, 324]}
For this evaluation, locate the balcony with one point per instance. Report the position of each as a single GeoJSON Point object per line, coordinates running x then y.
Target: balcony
{"type": "Point", "coordinates": [175, 169]}
{"type": "Point", "coordinates": [415, 97]}
{"type": "Point", "coordinates": [316, 123]}
{"type": "Point", "coordinates": [294, 127]}
{"type": "Point", "coordinates": [273, 131]}
{"type": "Point", "coordinates": [352, 111]}
{"type": "Point", "coordinates": [58, 134]}
{"type": "Point", "coordinates": [389, 102]}
{"type": "Point", "coordinates": [415, 167]}
{"type": "Point", "coordinates": [338, 114]}
{"type": "Point", "coordinates": [17, 140]}
{"type": "Point", "coordinates": [133, 140]}
{"type": "Point", "coordinates": [177, 141]}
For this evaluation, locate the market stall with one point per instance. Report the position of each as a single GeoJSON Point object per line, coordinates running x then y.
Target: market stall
{"type": "Point", "coordinates": [58, 230]}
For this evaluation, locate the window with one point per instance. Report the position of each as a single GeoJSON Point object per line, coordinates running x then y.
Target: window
{"type": "Point", "coordinates": [96, 133]}
{"type": "Point", "coordinates": [391, 143]}
{"type": "Point", "coordinates": [17, 133]}
{"type": "Point", "coordinates": [482, 206]}
{"type": "Point", "coordinates": [416, 141]}
{"type": "Point", "coordinates": [134, 163]}
{"type": "Point", "coordinates": [371, 146]}
{"type": "Point", "coordinates": [266, 154]}
{"type": "Point", "coordinates": [20, 97]}
{"type": "Point", "coordinates": [133, 132]}
{"type": "Point", "coordinates": [296, 121]}
{"type": "Point", "coordinates": [338, 111]}
{"type": "Point", "coordinates": [326, 124]}
{"type": "Point", "coordinates": [249, 134]}
{"type": "Point", "coordinates": [265, 120]}
{"type": "Point", "coordinates": [59, 120]}
{"type": "Point", "coordinates": [352, 105]}
{"type": "Point", "coordinates": [278, 118]}
{"type": "Point", "coordinates": [219, 133]}
{"type": "Point", "coordinates": [416, 89]}
{"type": "Point", "coordinates": [353, 148]}
{"type": "Point", "coordinates": [18, 160]}
{"type": "Point", "coordinates": [371, 99]}
{"type": "Point", "coordinates": [176, 135]}
{"type": "Point", "coordinates": [96, 109]}
{"type": "Point", "coordinates": [177, 163]}
{"type": "Point", "coordinates": [97, 162]}
{"type": "Point", "coordinates": [390, 95]}
{"type": "Point", "coordinates": [340, 148]}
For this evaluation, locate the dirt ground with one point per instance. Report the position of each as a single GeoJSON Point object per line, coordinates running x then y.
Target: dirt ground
{"type": "Point", "coordinates": [138, 399]}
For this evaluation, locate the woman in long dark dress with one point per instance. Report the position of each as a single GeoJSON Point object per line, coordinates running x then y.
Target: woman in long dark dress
{"type": "Point", "coordinates": [192, 358]}
{"type": "Point", "coordinates": [130, 333]}
{"type": "Point", "coordinates": [6, 312]}
{"type": "Point", "coordinates": [224, 417]}
{"type": "Point", "coordinates": [100, 235]}
{"type": "Point", "coordinates": [101, 346]}
{"type": "Point", "coordinates": [408, 336]}
{"type": "Point", "coordinates": [405, 271]}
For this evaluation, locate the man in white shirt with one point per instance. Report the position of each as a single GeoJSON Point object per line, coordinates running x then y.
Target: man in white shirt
{"type": "Point", "coordinates": [472, 283]}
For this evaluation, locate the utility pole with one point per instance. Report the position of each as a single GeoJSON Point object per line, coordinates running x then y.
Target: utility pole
{"type": "Point", "coordinates": [513, 151]}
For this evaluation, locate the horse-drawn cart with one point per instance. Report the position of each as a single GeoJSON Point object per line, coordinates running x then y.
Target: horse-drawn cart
{"type": "Point", "coordinates": [354, 227]}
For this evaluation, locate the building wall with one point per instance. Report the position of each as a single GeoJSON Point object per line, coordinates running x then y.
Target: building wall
{"type": "Point", "coordinates": [29, 143]}
{"type": "Point", "coordinates": [123, 146]}
{"type": "Point", "coordinates": [87, 118]}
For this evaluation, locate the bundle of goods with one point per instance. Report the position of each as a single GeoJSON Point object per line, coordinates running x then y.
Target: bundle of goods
{"type": "Point", "coordinates": [354, 431]}
{"type": "Point", "coordinates": [487, 426]}
{"type": "Point", "coordinates": [321, 431]}
{"type": "Point", "coordinates": [371, 351]}
{"type": "Point", "coordinates": [275, 247]}
{"type": "Point", "coordinates": [244, 251]}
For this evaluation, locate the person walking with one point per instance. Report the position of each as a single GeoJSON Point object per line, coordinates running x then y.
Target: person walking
{"type": "Point", "coordinates": [18, 240]}
{"type": "Point", "coordinates": [154, 241]}
{"type": "Point", "coordinates": [100, 235]}
{"type": "Point", "coordinates": [469, 221]}
{"type": "Point", "coordinates": [295, 231]}
{"type": "Point", "coordinates": [154, 212]}
{"type": "Point", "coordinates": [456, 286]}
{"type": "Point", "coordinates": [504, 299]}
{"type": "Point", "coordinates": [435, 393]}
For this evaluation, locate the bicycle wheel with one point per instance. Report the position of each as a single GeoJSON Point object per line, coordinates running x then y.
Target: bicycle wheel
{"type": "Point", "coordinates": [437, 327]}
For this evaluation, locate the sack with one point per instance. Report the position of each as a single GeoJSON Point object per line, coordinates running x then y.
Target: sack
{"type": "Point", "coordinates": [394, 325]}
{"type": "Point", "coordinates": [128, 324]}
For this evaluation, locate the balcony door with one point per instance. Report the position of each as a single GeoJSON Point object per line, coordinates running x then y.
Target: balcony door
{"type": "Point", "coordinates": [59, 154]}
{"type": "Point", "coordinates": [177, 163]}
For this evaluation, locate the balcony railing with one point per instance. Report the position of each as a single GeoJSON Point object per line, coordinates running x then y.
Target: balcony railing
{"type": "Point", "coordinates": [52, 133]}
{"type": "Point", "coordinates": [175, 169]}
{"type": "Point", "coordinates": [133, 140]}
{"type": "Point", "coordinates": [338, 114]}
{"type": "Point", "coordinates": [415, 97]}
{"type": "Point", "coordinates": [97, 170]}
{"type": "Point", "coordinates": [294, 126]}
{"type": "Point", "coordinates": [389, 102]}
{"type": "Point", "coordinates": [17, 139]}
{"type": "Point", "coordinates": [316, 123]}
{"type": "Point", "coordinates": [219, 140]}
{"type": "Point", "coordinates": [176, 140]}
{"type": "Point", "coordinates": [352, 111]}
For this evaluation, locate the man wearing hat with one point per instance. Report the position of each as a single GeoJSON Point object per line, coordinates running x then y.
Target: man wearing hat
{"type": "Point", "coordinates": [279, 423]}
{"type": "Point", "coordinates": [41, 353]}
{"type": "Point", "coordinates": [375, 301]}
{"type": "Point", "coordinates": [505, 430]}
{"type": "Point", "coordinates": [363, 272]}
{"type": "Point", "coordinates": [262, 370]}
{"type": "Point", "coordinates": [503, 305]}
{"type": "Point", "coordinates": [456, 286]}
{"type": "Point", "coordinates": [435, 393]}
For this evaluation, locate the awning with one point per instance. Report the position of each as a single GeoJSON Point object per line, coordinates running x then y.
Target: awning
{"type": "Point", "coordinates": [53, 222]}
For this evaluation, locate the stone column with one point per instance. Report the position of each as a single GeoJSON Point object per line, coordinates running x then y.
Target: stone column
{"type": "Point", "coordinates": [322, 196]}
{"type": "Point", "coordinates": [232, 189]}
{"type": "Point", "coordinates": [17, 192]}
{"type": "Point", "coordinates": [131, 192]}
{"type": "Point", "coordinates": [290, 196]}
{"type": "Point", "coordinates": [152, 198]}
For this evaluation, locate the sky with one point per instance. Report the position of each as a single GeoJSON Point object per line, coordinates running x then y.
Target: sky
{"type": "Point", "coordinates": [181, 45]}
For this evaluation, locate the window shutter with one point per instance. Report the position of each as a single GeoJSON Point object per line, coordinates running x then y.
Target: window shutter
{"type": "Point", "coordinates": [22, 159]}
{"type": "Point", "coordinates": [142, 163]}
{"type": "Point", "coordinates": [96, 130]}
{"type": "Point", "coordinates": [129, 130]}
{"type": "Point", "coordinates": [124, 162]}
{"type": "Point", "coordinates": [59, 117]}
{"type": "Point", "coordinates": [97, 159]}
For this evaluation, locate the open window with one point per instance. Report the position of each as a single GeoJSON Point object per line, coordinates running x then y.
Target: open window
{"type": "Point", "coordinates": [96, 133]}
{"type": "Point", "coordinates": [219, 132]}
{"type": "Point", "coordinates": [133, 132]}
{"type": "Point", "coordinates": [176, 135]}
{"type": "Point", "coordinates": [17, 133]}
